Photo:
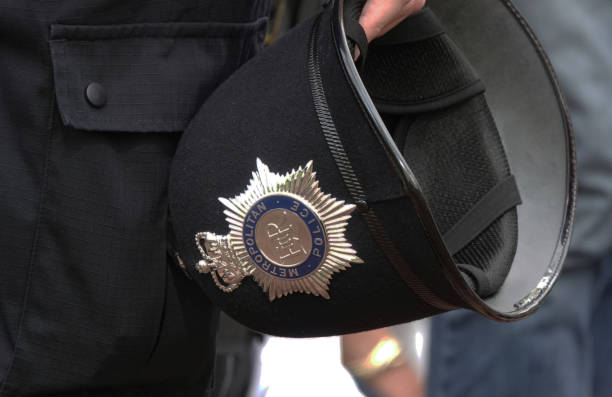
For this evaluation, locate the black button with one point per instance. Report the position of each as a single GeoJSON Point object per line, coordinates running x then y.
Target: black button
{"type": "Point", "coordinates": [95, 95]}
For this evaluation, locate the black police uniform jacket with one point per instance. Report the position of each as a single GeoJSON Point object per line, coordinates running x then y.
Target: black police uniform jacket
{"type": "Point", "coordinates": [94, 95]}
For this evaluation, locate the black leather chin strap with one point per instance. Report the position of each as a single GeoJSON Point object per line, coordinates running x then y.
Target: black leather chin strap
{"type": "Point", "coordinates": [501, 198]}
{"type": "Point", "coordinates": [355, 34]}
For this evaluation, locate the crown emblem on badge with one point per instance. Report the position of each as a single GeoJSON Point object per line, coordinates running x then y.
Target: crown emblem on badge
{"type": "Point", "coordinates": [284, 232]}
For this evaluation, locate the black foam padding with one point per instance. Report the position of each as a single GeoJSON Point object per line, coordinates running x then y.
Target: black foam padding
{"type": "Point", "coordinates": [457, 156]}
{"type": "Point", "coordinates": [434, 103]}
{"type": "Point", "coordinates": [419, 76]}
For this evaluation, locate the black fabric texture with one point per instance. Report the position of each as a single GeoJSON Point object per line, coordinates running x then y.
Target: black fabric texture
{"type": "Point", "coordinates": [281, 127]}
{"type": "Point", "coordinates": [419, 76]}
{"type": "Point", "coordinates": [90, 305]}
{"type": "Point", "coordinates": [457, 156]}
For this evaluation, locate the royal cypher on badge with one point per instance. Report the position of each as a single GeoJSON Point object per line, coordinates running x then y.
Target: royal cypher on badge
{"type": "Point", "coordinates": [284, 232]}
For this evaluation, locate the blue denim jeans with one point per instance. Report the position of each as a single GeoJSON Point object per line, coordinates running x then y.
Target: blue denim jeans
{"type": "Point", "coordinates": [565, 349]}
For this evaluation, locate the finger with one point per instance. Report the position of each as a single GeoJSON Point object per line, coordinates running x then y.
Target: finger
{"type": "Point", "coordinates": [380, 16]}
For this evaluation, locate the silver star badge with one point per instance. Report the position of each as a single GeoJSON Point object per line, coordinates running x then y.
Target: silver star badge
{"type": "Point", "coordinates": [284, 232]}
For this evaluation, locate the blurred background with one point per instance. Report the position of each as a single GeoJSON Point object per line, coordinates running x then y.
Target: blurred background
{"type": "Point", "coordinates": [565, 349]}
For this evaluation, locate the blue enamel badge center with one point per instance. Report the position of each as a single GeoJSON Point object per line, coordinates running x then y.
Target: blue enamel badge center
{"type": "Point", "coordinates": [284, 237]}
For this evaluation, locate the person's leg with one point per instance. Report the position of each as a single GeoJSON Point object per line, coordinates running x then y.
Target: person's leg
{"type": "Point", "coordinates": [548, 354]}
{"type": "Point", "coordinates": [602, 332]}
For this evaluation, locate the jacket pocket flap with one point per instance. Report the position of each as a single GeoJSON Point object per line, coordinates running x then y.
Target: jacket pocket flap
{"type": "Point", "coordinates": [144, 77]}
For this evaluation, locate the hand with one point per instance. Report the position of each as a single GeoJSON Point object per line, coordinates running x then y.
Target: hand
{"type": "Point", "coordinates": [380, 16]}
{"type": "Point", "coordinates": [396, 380]}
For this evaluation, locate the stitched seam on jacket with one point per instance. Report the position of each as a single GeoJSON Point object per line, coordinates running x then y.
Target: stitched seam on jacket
{"type": "Point", "coordinates": [50, 128]}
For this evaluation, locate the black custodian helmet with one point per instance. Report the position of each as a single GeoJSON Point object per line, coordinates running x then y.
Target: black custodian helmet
{"type": "Point", "coordinates": [436, 172]}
